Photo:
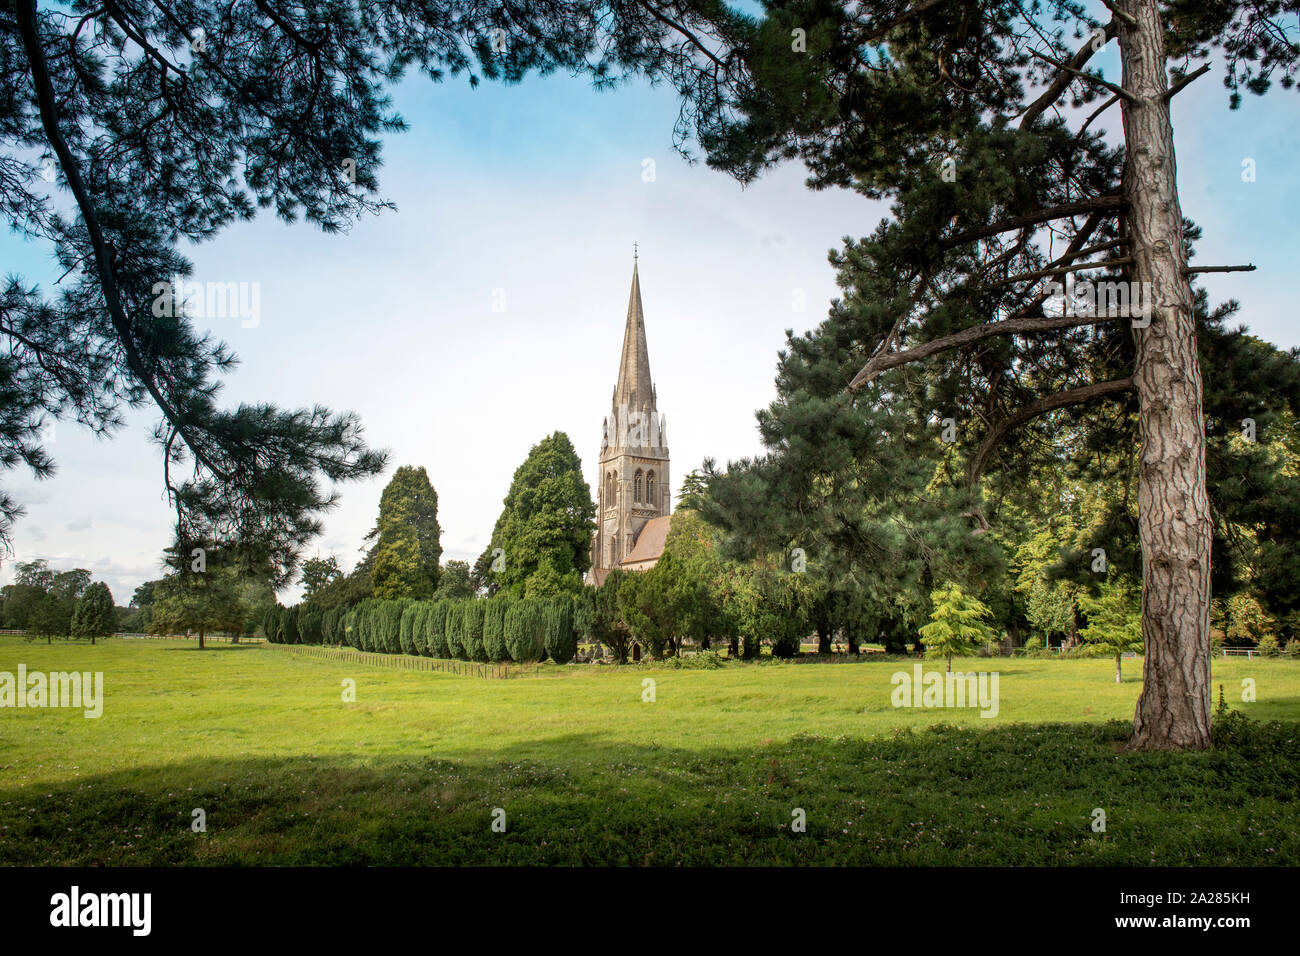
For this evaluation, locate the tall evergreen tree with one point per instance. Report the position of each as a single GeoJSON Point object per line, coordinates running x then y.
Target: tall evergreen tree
{"type": "Point", "coordinates": [408, 550]}
{"type": "Point", "coordinates": [543, 537]}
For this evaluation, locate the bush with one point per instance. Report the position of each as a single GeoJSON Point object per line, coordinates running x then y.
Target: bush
{"type": "Point", "coordinates": [471, 629]}
{"type": "Point", "coordinates": [350, 628]}
{"type": "Point", "coordinates": [419, 612]}
{"type": "Point", "coordinates": [329, 626]}
{"type": "Point", "coordinates": [1267, 646]}
{"type": "Point", "coordinates": [454, 630]}
{"type": "Point", "coordinates": [703, 661]}
{"type": "Point", "coordinates": [290, 624]}
{"type": "Point", "coordinates": [271, 625]}
{"type": "Point", "coordinates": [309, 623]}
{"type": "Point", "coordinates": [436, 630]}
{"type": "Point", "coordinates": [494, 629]}
{"type": "Point", "coordinates": [1293, 647]}
{"type": "Point", "coordinates": [368, 625]}
{"type": "Point", "coordinates": [561, 638]}
{"type": "Point", "coordinates": [525, 632]}
{"type": "Point", "coordinates": [406, 633]}
{"type": "Point", "coordinates": [391, 626]}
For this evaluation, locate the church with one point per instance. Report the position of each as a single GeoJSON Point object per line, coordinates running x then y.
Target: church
{"type": "Point", "coordinates": [633, 494]}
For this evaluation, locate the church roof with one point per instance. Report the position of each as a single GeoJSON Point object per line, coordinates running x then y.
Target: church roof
{"type": "Point", "coordinates": [634, 388]}
{"type": "Point", "coordinates": [650, 542]}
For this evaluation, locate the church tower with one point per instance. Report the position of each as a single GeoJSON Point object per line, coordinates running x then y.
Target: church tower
{"type": "Point", "coordinates": [633, 486]}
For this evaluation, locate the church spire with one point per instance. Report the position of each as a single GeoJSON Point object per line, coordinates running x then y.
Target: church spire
{"type": "Point", "coordinates": [635, 388]}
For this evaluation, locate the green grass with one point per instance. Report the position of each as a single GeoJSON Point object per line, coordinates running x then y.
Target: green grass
{"type": "Point", "coordinates": [587, 773]}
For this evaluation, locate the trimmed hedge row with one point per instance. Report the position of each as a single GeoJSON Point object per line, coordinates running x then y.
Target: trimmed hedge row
{"type": "Point", "coordinates": [475, 629]}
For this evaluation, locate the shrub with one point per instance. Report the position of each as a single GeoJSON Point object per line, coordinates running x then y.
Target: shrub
{"type": "Point", "coordinates": [702, 661]}
{"type": "Point", "coordinates": [471, 630]}
{"type": "Point", "coordinates": [309, 623]}
{"type": "Point", "coordinates": [350, 629]}
{"type": "Point", "coordinates": [525, 632]}
{"type": "Point", "coordinates": [329, 626]}
{"type": "Point", "coordinates": [455, 630]}
{"type": "Point", "coordinates": [391, 624]}
{"type": "Point", "coordinates": [561, 638]}
{"type": "Point", "coordinates": [290, 619]}
{"type": "Point", "coordinates": [494, 629]}
{"type": "Point", "coordinates": [368, 633]}
{"type": "Point", "coordinates": [1267, 646]}
{"type": "Point", "coordinates": [419, 645]}
{"type": "Point", "coordinates": [436, 630]}
{"type": "Point", "coordinates": [1293, 647]}
{"type": "Point", "coordinates": [406, 633]}
{"type": "Point", "coordinates": [271, 624]}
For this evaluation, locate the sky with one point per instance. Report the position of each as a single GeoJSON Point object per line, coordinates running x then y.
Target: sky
{"type": "Point", "coordinates": [487, 310]}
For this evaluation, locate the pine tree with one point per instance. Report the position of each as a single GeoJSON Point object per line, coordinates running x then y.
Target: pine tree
{"type": "Point", "coordinates": [951, 109]}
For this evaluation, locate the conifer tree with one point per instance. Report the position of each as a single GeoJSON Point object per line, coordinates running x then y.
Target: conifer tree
{"type": "Point", "coordinates": [957, 624]}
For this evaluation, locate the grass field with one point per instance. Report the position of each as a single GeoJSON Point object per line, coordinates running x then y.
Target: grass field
{"type": "Point", "coordinates": [586, 772]}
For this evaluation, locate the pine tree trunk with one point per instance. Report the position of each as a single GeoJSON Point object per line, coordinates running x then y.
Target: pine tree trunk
{"type": "Point", "coordinates": [1119, 672]}
{"type": "Point", "coordinates": [1173, 710]}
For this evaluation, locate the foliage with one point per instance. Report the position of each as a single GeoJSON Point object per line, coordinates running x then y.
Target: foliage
{"type": "Point", "coordinates": [494, 628]}
{"type": "Point", "coordinates": [525, 632]}
{"type": "Point", "coordinates": [543, 535]}
{"type": "Point", "coordinates": [561, 638]}
{"type": "Point", "coordinates": [957, 624]}
{"type": "Point", "coordinates": [408, 550]}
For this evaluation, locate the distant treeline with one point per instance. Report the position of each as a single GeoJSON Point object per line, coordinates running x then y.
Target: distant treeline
{"type": "Point", "coordinates": [473, 629]}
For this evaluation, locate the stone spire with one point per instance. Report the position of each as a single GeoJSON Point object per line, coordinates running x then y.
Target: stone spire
{"type": "Point", "coordinates": [634, 388]}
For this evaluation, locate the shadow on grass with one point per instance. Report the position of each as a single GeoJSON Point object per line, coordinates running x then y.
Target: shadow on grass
{"type": "Point", "coordinates": [1020, 795]}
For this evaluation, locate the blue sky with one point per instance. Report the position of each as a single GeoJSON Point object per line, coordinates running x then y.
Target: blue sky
{"type": "Point", "coordinates": [532, 196]}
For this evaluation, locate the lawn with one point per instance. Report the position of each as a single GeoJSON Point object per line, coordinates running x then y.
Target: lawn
{"type": "Point", "coordinates": [584, 771]}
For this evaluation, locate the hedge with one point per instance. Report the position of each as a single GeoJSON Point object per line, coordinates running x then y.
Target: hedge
{"type": "Point", "coordinates": [525, 632]}
{"type": "Point", "coordinates": [494, 629]}
{"type": "Point", "coordinates": [471, 630]}
{"type": "Point", "coordinates": [561, 637]}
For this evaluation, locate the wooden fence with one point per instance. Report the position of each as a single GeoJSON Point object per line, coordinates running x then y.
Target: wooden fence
{"type": "Point", "coordinates": [402, 661]}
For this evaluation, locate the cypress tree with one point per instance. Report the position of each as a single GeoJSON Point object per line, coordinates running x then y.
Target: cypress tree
{"type": "Point", "coordinates": [525, 632]}
{"type": "Point", "coordinates": [472, 620]}
{"type": "Point", "coordinates": [561, 636]}
{"type": "Point", "coordinates": [454, 629]}
{"type": "Point", "coordinates": [419, 621]}
{"type": "Point", "coordinates": [437, 630]}
{"type": "Point", "coordinates": [494, 632]}
{"type": "Point", "coordinates": [407, 630]}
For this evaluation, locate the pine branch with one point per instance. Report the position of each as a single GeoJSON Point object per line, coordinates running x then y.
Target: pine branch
{"type": "Point", "coordinates": [1114, 88]}
{"type": "Point", "coordinates": [1071, 396]}
{"type": "Point", "coordinates": [1058, 85]}
{"type": "Point", "coordinates": [1034, 218]}
{"type": "Point", "coordinates": [1013, 326]}
{"type": "Point", "coordinates": [1189, 78]}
